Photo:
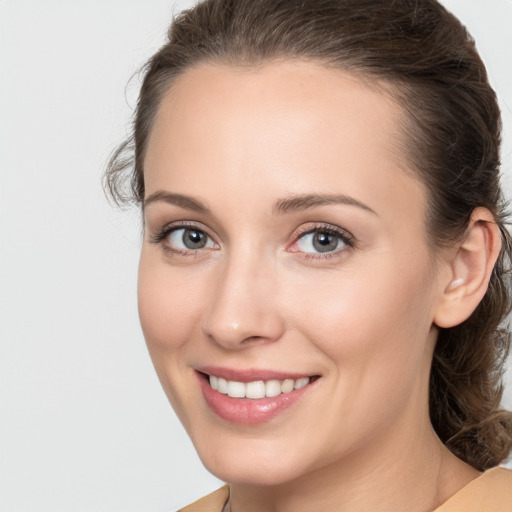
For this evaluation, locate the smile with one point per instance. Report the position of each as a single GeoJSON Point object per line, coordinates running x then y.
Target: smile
{"type": "Point", "coordinates": [257, 389]}
{"type": "Point", "coordinates": [254, 396]}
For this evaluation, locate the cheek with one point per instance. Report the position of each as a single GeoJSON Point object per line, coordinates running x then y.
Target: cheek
{"type": "Point", "coordinates": [170, 317]}
{"type": "Point", "coordinates": [375, 321]}
{"type": "Point", "coordinates": [169, 306]}
{"type": "Point", "coordinates": [372, 331]}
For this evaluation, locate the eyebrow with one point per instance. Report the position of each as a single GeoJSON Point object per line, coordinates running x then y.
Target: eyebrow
{"type": "Point", "coordinates": [176, 199]}
{"type": "Point", "coordinates": [306, 201]}
{"type": "Point", "coordinates": [282, 206]}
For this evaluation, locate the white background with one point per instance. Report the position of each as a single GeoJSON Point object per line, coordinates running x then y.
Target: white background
{"type": "Point", "coordinates": [84, 425]}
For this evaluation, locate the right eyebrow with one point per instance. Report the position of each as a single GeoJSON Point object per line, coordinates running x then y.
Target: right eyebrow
{"type": "Point", "coordinates": [306, 201]}
{"type": "Point", "coordinates": [180, 200]}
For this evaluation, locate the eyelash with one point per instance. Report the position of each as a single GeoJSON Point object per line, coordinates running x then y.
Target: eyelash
{"type": "Point", "coordinates": [159, 238]}
{"type": "Point", "coordinates": [346, 238]}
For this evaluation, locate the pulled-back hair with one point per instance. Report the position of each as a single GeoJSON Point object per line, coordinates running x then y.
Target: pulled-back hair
{"type": "Point", "coordinates": [424, 58]}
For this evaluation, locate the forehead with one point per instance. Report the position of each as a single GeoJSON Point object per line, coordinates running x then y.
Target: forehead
{"type": "Point", "coordinates": [294, 125]}
{"type": "Point", "coordinates": [214, 101]}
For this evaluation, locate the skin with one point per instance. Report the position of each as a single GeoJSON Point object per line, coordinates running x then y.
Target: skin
{"type": "Point", "coordinates": [258, 296]}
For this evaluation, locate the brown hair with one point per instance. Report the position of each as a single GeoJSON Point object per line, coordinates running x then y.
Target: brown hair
{"type": "Point", "coordinates": [452, 140]}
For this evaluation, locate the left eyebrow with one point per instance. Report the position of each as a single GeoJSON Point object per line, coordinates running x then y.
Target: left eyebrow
{"type": "Point", "coordinates": [306, 201]}
{"type": "Point", "coordinates": [180, 200]}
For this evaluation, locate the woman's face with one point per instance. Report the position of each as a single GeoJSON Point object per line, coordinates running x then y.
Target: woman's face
{"type": "Point", "coordinates": [285, 247]}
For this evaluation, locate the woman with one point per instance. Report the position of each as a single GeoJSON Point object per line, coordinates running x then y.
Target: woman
{"type": "Point", "coordinates": [323, 273]}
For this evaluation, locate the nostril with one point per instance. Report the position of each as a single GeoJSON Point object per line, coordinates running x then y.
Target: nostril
{"type": "Point", "coordinates": [253, 339]}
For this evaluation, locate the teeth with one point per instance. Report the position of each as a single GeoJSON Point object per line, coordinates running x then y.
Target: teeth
{"type": "Point", "coordinates": [236, 389]}
{"type": "Point", "coordinates": [300, 383]}
{"type": "Point", "coordinates": [272, 388]}
{"type": "Point", "coordinates": [288, 385]}
{"type": "Point", "coordinates": [257, 389]}
{"type": "Point", "coordinates": [222, 386]}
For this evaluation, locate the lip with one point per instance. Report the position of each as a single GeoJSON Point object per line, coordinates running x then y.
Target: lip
{"type": "Point", "coordinates": [250, 374]}
{"type": "Point", "coordinates": [247, 411]}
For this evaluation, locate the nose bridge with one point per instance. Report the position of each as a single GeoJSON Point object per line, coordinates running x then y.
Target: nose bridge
{"type": "Point", "coordinates": [243, 308]}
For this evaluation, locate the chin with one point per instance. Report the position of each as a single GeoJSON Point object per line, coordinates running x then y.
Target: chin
{"type": "Point", "coordinates": [249, 472]}
{"type": "Point", "coordinates": [258, 463]}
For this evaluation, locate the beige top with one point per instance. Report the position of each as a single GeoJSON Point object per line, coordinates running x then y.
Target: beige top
{"type": "Point", "coordinates": [490, 492]}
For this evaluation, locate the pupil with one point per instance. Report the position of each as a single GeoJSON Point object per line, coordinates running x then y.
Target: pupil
{"type": "Point", "coordinates": [194, 239]}
{"type": "Point", "coordinates": [324, 242]}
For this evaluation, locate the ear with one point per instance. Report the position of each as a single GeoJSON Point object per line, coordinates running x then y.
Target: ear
{"type": "Point", "coordinates": [469, 265]}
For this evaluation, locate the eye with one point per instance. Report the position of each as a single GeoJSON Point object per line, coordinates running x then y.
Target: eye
{"type": "Point", "coordinates": [316, 241]}
{"type": "Point", "coordinates": [189, 239]}
{"type": "Point", "coordinates": [183, 240]}
{"type": "Point", "coordinates": [319, 241]}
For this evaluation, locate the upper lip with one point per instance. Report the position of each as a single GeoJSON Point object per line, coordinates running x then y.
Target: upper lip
{"type": "Point", "coordinates": [250, 374]}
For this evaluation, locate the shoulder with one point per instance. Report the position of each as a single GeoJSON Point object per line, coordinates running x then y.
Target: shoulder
{"type": "Point", "coordinates": [214, 502]}
{"type": "Point", "coordinates": [490, 492]}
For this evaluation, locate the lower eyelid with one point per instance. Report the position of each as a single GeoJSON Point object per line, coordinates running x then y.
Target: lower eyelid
{"type": "Point", "coordinates": [185, 253]}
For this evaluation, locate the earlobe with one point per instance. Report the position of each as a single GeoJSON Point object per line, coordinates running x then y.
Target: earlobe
{"type": "Point", "coordinates": [470, 269]}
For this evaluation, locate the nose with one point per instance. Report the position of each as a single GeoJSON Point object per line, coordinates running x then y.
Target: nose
{"type": "Point", "coordinates": [243, 309]}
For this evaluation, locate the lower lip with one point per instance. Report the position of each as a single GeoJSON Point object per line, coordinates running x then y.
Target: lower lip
{"type": "Point", "coordinates": [246, 411]}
